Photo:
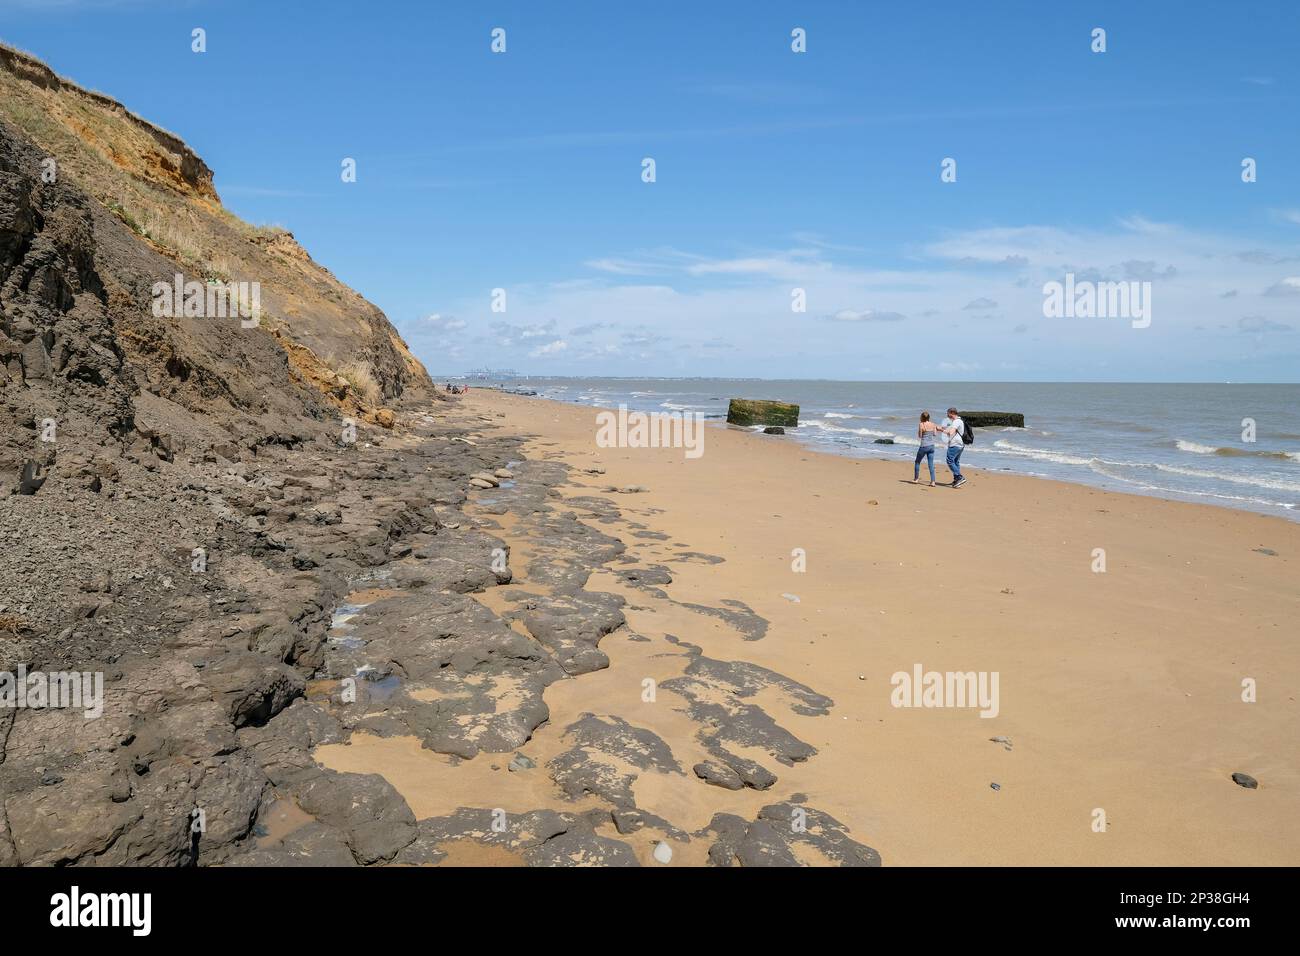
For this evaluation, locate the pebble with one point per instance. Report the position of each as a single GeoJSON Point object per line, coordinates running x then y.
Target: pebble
{"type": "Point", "coordinates": [663, 852]}
{"type": "Point", "coordinates": [1245, 780]}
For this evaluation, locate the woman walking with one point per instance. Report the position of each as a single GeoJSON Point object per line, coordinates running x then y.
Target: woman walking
{"type": "Point", "coordinates": [926, 432]}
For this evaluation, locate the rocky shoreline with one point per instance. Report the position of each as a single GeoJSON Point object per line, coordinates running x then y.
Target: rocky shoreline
{"type": "Point", "coordinates": [221, 683]}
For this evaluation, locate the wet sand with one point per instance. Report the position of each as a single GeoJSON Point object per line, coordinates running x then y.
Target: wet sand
{"type": "Point", "coordinates": [1120, 692]}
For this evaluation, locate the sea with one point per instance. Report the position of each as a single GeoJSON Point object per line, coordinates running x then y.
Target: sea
{"type": "Point", "coordinates": [1237, 446]}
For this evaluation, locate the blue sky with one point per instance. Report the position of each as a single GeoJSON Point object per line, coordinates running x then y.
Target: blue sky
{"type": "Point", "coordinates": [775, 170]}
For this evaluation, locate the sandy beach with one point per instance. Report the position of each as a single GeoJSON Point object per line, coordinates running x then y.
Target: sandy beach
{"type": "Point", "coordinates": [1120, 693]}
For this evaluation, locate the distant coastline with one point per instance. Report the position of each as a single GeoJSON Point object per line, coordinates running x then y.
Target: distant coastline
{"type": "Point", "coordinates": [1179, 441]}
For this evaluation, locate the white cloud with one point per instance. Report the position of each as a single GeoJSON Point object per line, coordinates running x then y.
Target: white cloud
{"type": "Point", "coordinates": [1286, 287]}
{"type": "Point", "coordinates": [444, 323]}
{"type": "Point", "coordinates": [623, 324]}
{"type": "Point", "coordinates": [549, 349]}
{"type": "Point", "coordinates": [866, 315]}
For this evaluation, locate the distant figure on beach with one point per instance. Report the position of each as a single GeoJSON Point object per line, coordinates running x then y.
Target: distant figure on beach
{"type": "Point", "coordinates": [927, 431]}
{"type": "Point", "coordinates": [953, 428]}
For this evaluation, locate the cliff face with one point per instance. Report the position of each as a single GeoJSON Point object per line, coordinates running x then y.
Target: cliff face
{"type": "Point", "coordinates": [181, 502]}
{"type": "Point", "coordinates": [121, 204]}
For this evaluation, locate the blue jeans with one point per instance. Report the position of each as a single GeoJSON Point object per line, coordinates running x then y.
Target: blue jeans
{"type": "Point", "coordinates": [954, 460]}
{"type": "Point", "coordinates": [926, 452]}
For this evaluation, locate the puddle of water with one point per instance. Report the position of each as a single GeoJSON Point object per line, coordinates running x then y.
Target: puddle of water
{"type": "Point", "coordinates": [343, 614]}
{"type": "Point", "coordinates": [379, 690]}
{"type": "Point", "coordinates": [280, 820]}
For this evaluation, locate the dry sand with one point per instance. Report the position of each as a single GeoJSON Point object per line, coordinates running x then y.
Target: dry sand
{"type": "Point", "coordinates": [1120, 691]}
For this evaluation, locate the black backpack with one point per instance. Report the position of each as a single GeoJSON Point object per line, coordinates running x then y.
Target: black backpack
{"type": "Point", "coordinates": [967, 435]}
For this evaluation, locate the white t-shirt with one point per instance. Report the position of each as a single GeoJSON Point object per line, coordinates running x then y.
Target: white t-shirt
{"type": "Point", "coordinates": [954, 440]}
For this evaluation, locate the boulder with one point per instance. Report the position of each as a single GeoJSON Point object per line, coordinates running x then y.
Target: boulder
{"type": "Point", "coordinates": [987, 419]}
{"type": "Point", "coordinates": [718, 774]}
{"type": "Point", "coordinates": [748, 411]}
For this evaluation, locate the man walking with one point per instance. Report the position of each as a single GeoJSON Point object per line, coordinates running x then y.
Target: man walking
{"type": "Point", "coordinates": [953, 428]}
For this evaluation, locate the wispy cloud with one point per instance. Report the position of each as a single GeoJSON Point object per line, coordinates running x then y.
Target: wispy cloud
{"type": "Point", "coordinates": [696, 311]}
{"type": "Point", "coordinates": [1290, 286]}
{"type": "Point", "coordinates": [1258, 323]}
{"type": "Point", "coordinates": [866, 315]}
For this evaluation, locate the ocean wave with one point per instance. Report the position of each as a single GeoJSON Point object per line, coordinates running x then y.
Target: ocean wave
{"type": "Point", "coordinates": [1254, 481]}
{"type": "Point", "coordinates": [814, 423]}
{"type": "Point", "coordinates": [1164, 490]}
{"type": "Point", "coordinates": [838, 415]}
{"type": "Point", "coordinates": [1041, 454]}
{"type": "Point", "coordinates": [1230, 451]}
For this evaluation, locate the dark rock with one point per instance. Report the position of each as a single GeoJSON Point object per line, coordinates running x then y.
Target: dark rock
{"type": "Point", "coordinates": [988, 419]}
{"type": "Point", "coordinates": [718, 775]}
{"type": "Point", "coordinates": [371, 815]}
{"type": "Point", "coordinates": [520, 762]}
{"type": "Point", "coordinates": [253, 687]}
{"type": "Point", "coordinates": [745, 411]}
{"type": "Point", "coordinates": [769, 839]}
{"type": "Point", "coordinates": [580, 770]}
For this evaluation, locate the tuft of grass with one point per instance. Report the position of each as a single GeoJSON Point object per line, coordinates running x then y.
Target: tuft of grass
{"type": "Point", "coordinates": [362, 382]}
{"type": "Point", "coordinates": [117, 209]}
